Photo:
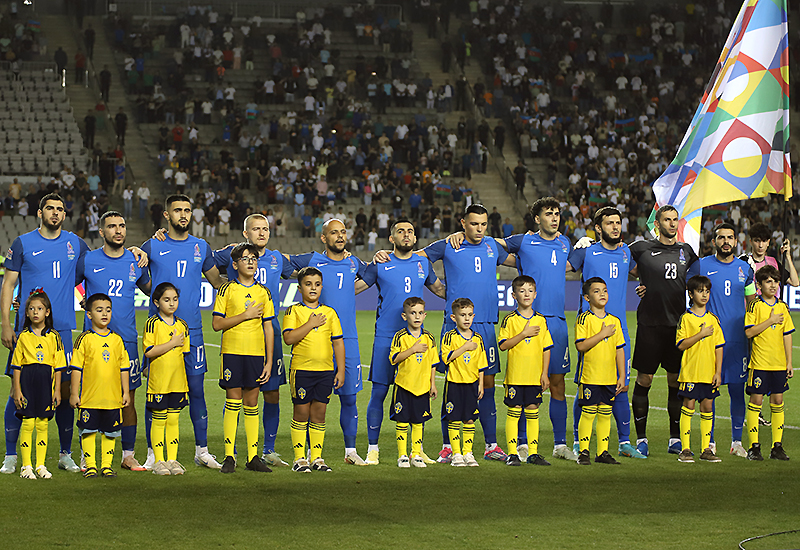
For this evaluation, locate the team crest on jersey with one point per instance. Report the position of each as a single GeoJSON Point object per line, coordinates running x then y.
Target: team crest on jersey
{"type": "Point", "coordinates": [489, 251]}
{"type": "Point", "coordinates": [70, 251]}
{"type": "Point", "coordinates": [40, 357]}
{"type": "Point", "coordinates": [397, 408]}
{"type": "Point", "coordinates": [420, 270]}
{"type": "Point", "coordinates": [85, 415]}
{"type": "Point", "coordinates": [449, 407]}
{"type": "Point", "coordinates": [419, 357]}
{"type": "Point", "coordinates": [301, 393]}
{"type": "Point", "coordinates": [466, 358]}
{"type": "Point", "coordinates": [624, 256]}
{"type": "Point", "coordinates": [197, 257]}
{"type": "Point", "coordinates": [158, 398]}
{"type": "Point", "coordinates": [226, 374]}
{"type": "Point", "coordinates": [527, 340]}
{"type": "Point", "coordinates": [564, 248]}
{"type": "Point", "coordinates": [741, 275]}
{"type": "Point", "coordinates": [587, 393]}
{"type": "Point", "coordinates": [106, 354]}
{"type": "Point", "coordinates": [757, 382]}
{"type": "Point", "coordinates": [273, 263]}
{"type": "Point", "coordinates": [682, 258]}
{"type": "Point", "coordinates": [690, 386]}
{"type": "Point", "coordinates": [353, 267]}
{"type": "Point", "coordinates": [132, 273]}
{"type": "Point", "coordinates": [512, 393]}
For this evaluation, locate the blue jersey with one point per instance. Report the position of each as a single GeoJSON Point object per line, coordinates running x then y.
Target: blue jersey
{"type": "Point", "coordinates": [118, 278]}
{"type": "Point", "coordinates": [546, 262]}
{"type": "Point", "coordinates": [272, 267]}
{"type": "Point", "coordinates": [51, 265]}
{"type": "Point", "coordinates": [610, 265]}
{"type": "Point", "coordinates": [471, 272]}
{"type": "Point", "coordinates": [397, 280]}
{"type": "Point", "coordinates": [338, 285]}
{"type": "Point", "coordinates": [727, 300]}
{"type": "Point", "coordinates": [181, 263]}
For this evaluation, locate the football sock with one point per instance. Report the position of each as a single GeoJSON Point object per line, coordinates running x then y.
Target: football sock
{"type": "Point", "coordinates": [585, 426]}
{"type": "Point", "coordinates": [88, 445]}
{"type": "Point", "coordinates": [445, 432]}
{"type": "Point", "coordinates": [401, 432]}
{"type": "Point", "coordinates": [622, 416]}
{"type": "Point", "coordinates": [706, 422]}
{"type": "Point", "coordinates": [640, 404]}
{"type": "Point", "coordinates": [128, 437]}
{"type": "Point", "coordinates": [558, 416]}
{"type": "Point", "coordinates": [158, 433]}
{"type": "Point", "coordinates": [65, 418]}
{"type": "Point", "coordinates": [453, 430]}
{"type": "Point", "coordinates": [751, 417]}
{"type": "Point", "coordinates": [713, 419]}
{"type": "Point", "coordinates": [532, 420]}
{"type": "Point", "coordinates": [375, 411]}
{"type": "Point", "coordinates": [416, 439]}
{"type": "Point", "coordinates": [316, 439]}
{"type": "Point", "coordinates": [26, 440]}
{"type": "Point", "coordinates": [603, 427]}
{"type": "Point", "coordinates": [348, 419]}
{"type": "Point", "coordinates": [251, 430]}
{"type": "Point", "coordinates": [272, 418]}
{"type": "Point", "coordinates": [522, 431]}
{"type": "Point", "coordinates": [674, 404]}
{"type": "Point", "coordinates": [197, 410]}
{"type": "Point", "coordinates": [512, 429]}
{"type": "Point", "coordinates": [230, 421]}
{"type": "Point", "coordinates": [298, 431]}
{"type": "Point", "coordinates": [107, 448]}
{"type": "Point", "coordinates": [686, 427]}
{"type": "Point", "coordinates": [172, 433]}
{"type": "Point", "coordinates": [41, 440]}
{"type": "Point", "coordinates": [148, 421]}
{"type": "Point", "coordinates": [777, 422]}
{"type": "Point", "coordinates": [576, 418]}
{"type": "Point", "coordinates": [736, 393]}
{"type": "Point", "coordinates": [487, 414]}
{"type": "Point", "coordinates": [469, 437]}
{"type": "Point", "coordinates": [12, 424]}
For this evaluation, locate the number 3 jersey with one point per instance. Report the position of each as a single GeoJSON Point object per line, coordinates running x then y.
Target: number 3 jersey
{"type": "Point", "coordinates": [664, 270]}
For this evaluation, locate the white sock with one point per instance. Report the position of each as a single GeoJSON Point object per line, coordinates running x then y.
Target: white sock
{"type": "Point", "coordinates": [372, 448]}
{"type": "Point", "coordinates": [348, 450]}
{"type": "Point", "coordinates": [674, 440]}
{"type": "Point", "coordinates": [561, 446]}
{"type": "Point", "coordinates": [126, 454]}
{"type": "Point", "coordinates": [644, 439]}
{"type": "Point", "coordinates": [150, 452]}
{"type": "Point", "coordinates": [200, 450]}
{"type": "Point", "coordinates": [628, 441]}
{"type": "Point", "coordinates": [490, 446]}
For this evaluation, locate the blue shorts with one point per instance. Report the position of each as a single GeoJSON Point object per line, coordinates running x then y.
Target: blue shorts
{"type": "Point", "coordinates": [487, 332]}
{"type": "Point", "coordinates": [407, 407]}
{"type": "Point", "coordinates": [278, 376]}
{"type": "Point", "coordinates": [66, 340]}
{"type": "Point", "coordinates": [735, 358]}
{"type": "Point", "coordinates": [306, 386]}
{"type": "Point", "coordinates": [559, 353]}
{"type": "Point", "coordinates": [627, 350]}
{"type": "Point", "coordinates": [381, 370]}
{"type": "Point", "coordinates": [352, 368]}
{"type": "Point", "coordinates": [766, 382]}
{"type": "Point", "coordinates": [522, 396]}
{"type": "Point", "coordinates": [195, 360]}
{"type": "Point", "coordinates": [135, 380]}
{"type": "Point", "coordinates": [240, 371]}
{"type": "Point", "coordinates": [164, 401]}
{"type": "Point", "coordinates": [698, 391]}
{"type": "Point", "coordinates": [596, 394]}
{"type": "Point", "coordinates": [105, 421]}
{"type": "Point", "coordinates": [460, 402]}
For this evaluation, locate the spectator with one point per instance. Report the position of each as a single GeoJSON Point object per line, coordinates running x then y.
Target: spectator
{"type": "Point", "coordinates": [127, 199]}
{"type": "Point", "coordinates": [508, 228]}
{"type": "Point", "coordinates": [224, 217]}
{"type": "Point", "coordinates": [143, 192]}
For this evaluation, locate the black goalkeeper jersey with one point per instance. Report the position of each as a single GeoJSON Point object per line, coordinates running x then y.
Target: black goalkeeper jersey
{"type": "Point", "coordinates": [663, 269]}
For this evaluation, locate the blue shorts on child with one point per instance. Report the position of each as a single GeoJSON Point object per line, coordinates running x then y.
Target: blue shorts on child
{"type": "Point", "coordinates": [460, 402]}
{"type": "Point", "coordinates": [766, 382]}
{"type": "Point", "coordinates": [596, 394]}
{"type": "Point", "coordinates": [407, 407]}
{"type": "Point", "coordinates": [240, 371]}
{"type": "Point", "coordinates": [697, 391]}
{"type": "Point", "coordinates": [164, 401]}
{"type": "Point", "coordinates": [522, 396]}
{"type": "Point", "coordinates": [106, 421]}
{"type": "Point", "coordinates": [36, 382]}
{"type": "Point", "coordinates": [308, 385]}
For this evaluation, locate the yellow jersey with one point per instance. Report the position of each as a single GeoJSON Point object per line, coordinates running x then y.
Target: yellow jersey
{"type": "Point", "coordinates": [766, 349]}
{"type": "Point", "coordinates": [465, 368]}
{"type": "Point", "coordinates": [246, 338]}
{"type": "Point", "coordinates": [525, 361]}
{"type": "Point", "coordinates": [31, 349]}
{"type": "Point", "coordinates": [315, 351]}
{"type": "Point", "coordinates": [414, 373]}
{"type": "Point", "coordinates": [599, 364]}
{"type": "Point", "coordinates": [102, 359]}
{"type": "Point", "coordinates": [167, 372]}
{"type": "Point", "coordinates": [699, 363]}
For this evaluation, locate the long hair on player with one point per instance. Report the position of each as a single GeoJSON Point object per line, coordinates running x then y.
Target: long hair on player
{"type": "Point", "coordinates": [37, 294]}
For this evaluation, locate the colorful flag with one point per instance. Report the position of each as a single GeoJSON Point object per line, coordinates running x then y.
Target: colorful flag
{"type": "Point", "coordinates": [737, 146]}
{"type": "Point", "coordinates": [594, 184]}
{"type": "Point", "coordinates": [625, 125]}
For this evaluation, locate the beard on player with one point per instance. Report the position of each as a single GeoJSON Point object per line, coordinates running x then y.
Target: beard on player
{"type": "Point", "coordinates": [403, 248]}
{"type": "Point", "coordinates": [607, 238]}
{"type": "Point", "coordinates": [53, 223]}
{"type": "Point", "coordinates": [115, 242]}
{"type": "Point", "coordinates": [181, 226]}
{"type": "Point", "coordinates": [724, 252]}
{"type": "Point", "coordinates": [337, 246]}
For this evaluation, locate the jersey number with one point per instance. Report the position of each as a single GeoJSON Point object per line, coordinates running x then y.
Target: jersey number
{"type": "Point", "coordinates": [181, 268]}
{"type": "Point", "coordinates": [477, 265]}
{"type": "Point", "coordinates": [407, 286]}
{"type": "Point", "coordinates": [613, 271]}
{"type": "Point", "coordinates": [115, 288]}
{"type": "Point", "coordinates": [261, 275]}
{"type": "Point", "coordinates": [57, 269]}
{"type": "Point", "coordinates": [727, 288]}
{"type": "Point", "coordinates": [553, 258]}
{"type": "Point", "coordinates": [341, 278]}
{"type": "Point", "coordinates": [670, 271]}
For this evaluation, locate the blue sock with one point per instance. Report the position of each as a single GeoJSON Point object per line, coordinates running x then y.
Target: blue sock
{"type": "Point", "coordinates": [197, 410]}
{"type": "Point", "coordinates": [622, 414]}
{"type": "Point", "coordinates": [576, 417]}
{"type": "Point", "coordinates": [12, 425]}
{"type": "Point", "coordinates": [522, 430]}
{"type": "Point", "coordinates": [348, 419]}
{"type": "Point", "coordinates": [558, 417]}
{"type": "Point", "coordinates": [487, 413]}
{"type": "Point", "coordinates": [148, 421]}
{"type": "Point", "coordinates": [375, 411]}
{"type": "Point", "coordinates": [128, 437]}
{"type": "Point", "coordinates": [272, 418]}
{"type": "Point", "coordinates": [65, 419]}
{"type": "Point", "coordinates": [736, 391]}
{"type": "Point", "coordinates": [445, 433]}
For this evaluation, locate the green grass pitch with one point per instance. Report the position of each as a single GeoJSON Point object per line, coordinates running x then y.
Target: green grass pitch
{"type": "Point", "coordinates": [653, 503]}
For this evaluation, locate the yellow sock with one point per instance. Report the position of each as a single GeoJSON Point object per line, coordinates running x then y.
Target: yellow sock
{"type": "Point", "coordinates": [26, 440]}
{"type": "Point", "coordinates": [603, 427]}
{"type": "Point", "coordinates": [172, 433]}
{"type": "Point", "coordinates": [686, 427]}
{"type": "Point", "coordinates": [401, 433]}
{"type": "Point", "coordinates": [107, 448]}
{"type": "Point", "coordinates": [416, 439]}
{"type": "Point", "coordinates": [454, 432]}
{"type": "Point", "coordinates": [469, 437]}
{"type": "Point", "coordinates": [706, 423]}
{"type": "Point", "coordinates": [512, 429]}
{"type": "Point", "coordinates": [41, 440]}
{"type": "Point", "coordinates": [532, 423]}
{"type": "Point", "coordinates": [316, 439]}
{"type": "Point", "coordinates": [88, 447]}
{"type": "Point", "coordinates": [251, 430]}
{"type": "Point", "coordinates": [751, 421]}
{"type": "Point", "coordinates": [158, 433]}
{"type": "Point", "coordinates": [299, 431]}
{"type": "Point", "coordinates": [230, 422]}
{"type": "Point", "coordinates": [777, 422]}
{"type": "Point", "coordinates": [588, 412]}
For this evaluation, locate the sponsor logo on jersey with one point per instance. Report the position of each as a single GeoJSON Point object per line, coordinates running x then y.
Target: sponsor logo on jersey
{"type": "Point", "coordinates": [164, 252]}
{"type": "Point", "coordinates": [132, 273]}
{"type": "Point", "coordinates": [420, 270]}
{"type": "Point", "coordinates": [70, 251]}
{"type": "Point", "coordinates": [96, 270]}
{"type": "Point", "coordinates": [197, 257]}
{"type": "Point", "coordinates": [38, 252]}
